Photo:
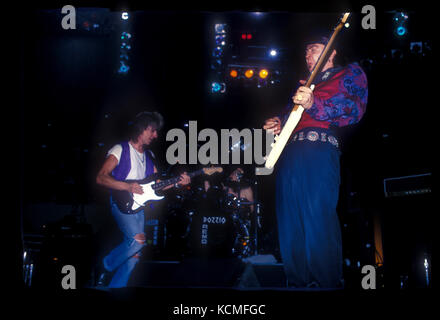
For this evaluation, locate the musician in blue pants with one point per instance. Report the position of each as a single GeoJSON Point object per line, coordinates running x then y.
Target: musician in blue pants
{"type": "Point", "coordinates": [308, 171]}
{"type": "Point", "coordinates": [129, 160]}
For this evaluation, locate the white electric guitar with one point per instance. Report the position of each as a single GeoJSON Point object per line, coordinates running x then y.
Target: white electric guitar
{"type": "Point", "coordinates": [130, 203]}
{"type": "Point", "coordinates": [297, 110]}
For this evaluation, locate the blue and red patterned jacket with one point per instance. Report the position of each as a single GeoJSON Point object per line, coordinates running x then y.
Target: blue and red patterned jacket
{"type": "Point", "coordinates": [340, 99]}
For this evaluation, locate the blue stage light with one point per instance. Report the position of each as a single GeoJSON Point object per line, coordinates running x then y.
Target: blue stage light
{"type": "Point", "coordinates": [216, 87]}
{"type": "Point", "coordinates": [123, 68]}
{"type": "Point", "coordinates": [220, 40]}
{"type": "Point", "coordinates": [220, 28]}
{"type": "Point", "coordinates": [400, 19]}
{"type": "Point", "coordinates": [401, 31]}
{"type": "Point", "coordinates": [218, 52]}
{"type": "Point", "coordinates": [125, 35]}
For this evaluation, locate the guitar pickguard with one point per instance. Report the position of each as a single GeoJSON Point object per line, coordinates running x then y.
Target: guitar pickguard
{"type": "Point", "coordinates": [139, 200]}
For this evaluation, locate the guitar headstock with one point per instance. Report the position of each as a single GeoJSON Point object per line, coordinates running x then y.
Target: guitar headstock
{"type": "Point", "coordinates": [212, 170]}
{"type": "Point", "coordinates": [343, 20]}
{"type": "Point", "coordinates": [345, 17]}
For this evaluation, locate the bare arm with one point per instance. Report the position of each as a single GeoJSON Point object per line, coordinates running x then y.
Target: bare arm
{"type": "Point", "coordinates": [105, 179]}
{"type": "Point", "coordinates": [249, 195]}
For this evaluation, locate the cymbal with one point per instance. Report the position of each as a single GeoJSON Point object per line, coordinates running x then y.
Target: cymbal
{"type": "Point", "coordinates": [241, 201]}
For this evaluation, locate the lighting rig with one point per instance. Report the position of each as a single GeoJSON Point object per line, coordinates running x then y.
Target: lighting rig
{"type": "Point", "coordinates": [241, 59]}
{"type": "Point", "coordinates": [218, 54]}
{"type": "Point", "coordinates": [125, 44]}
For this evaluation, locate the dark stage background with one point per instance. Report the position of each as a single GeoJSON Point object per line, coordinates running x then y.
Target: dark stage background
{"type": "Point", "coordinates": [75, 106]}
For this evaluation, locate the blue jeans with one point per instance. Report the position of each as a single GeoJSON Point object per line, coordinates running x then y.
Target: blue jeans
{"type": "Point", "coordinates": [307, 191]}
{"type": "Point", "coordinates": [125, 256]}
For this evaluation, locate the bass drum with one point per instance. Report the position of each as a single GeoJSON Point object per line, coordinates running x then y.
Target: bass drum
{"type": "Point", "coordinates": [178, 224]}
{"type": "Point", "coordinates": [212, 231]}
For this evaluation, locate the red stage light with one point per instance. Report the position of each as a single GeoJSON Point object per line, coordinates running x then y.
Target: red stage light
{"type": "Point", "coordinates": [249, 36]}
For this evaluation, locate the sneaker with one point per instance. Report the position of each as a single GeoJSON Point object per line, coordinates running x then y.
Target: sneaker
{"type": "Point", "coordinates": [104, 276]}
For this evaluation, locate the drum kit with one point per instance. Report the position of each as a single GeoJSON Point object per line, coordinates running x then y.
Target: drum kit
{"type": "Point", "coordinates": [213, 222]}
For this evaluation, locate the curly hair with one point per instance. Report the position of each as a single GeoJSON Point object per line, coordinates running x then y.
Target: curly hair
{"type": "Point", "coordinates": [142, 121]}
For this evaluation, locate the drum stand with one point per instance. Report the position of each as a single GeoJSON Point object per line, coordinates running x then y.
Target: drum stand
{"type": "Point", "coordinates": [255, 220]}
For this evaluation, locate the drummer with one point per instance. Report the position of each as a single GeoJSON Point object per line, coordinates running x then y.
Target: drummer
{"type": "Point", "coordinates": [235, 178]}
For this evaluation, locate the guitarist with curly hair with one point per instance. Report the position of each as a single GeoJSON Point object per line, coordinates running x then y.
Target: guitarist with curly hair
{"type": "Point", "coordinates": [125, 163]}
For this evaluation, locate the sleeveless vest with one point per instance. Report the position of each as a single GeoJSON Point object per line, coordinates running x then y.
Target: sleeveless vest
{"type": "Point", "coordinates": [121, 171]}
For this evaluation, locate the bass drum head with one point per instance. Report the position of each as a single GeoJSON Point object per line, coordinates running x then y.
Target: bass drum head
{"type": "Point", "coordinates": [212, 235]}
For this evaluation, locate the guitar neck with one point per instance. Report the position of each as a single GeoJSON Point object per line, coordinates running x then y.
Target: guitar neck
{"type": "Point", "coordinates": [297, 110]}
{"type": "Point", "coordinates": [171, 181]}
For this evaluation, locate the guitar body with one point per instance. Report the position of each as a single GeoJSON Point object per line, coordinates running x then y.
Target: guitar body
{"type": "Point", "coordinates": [130, 203]}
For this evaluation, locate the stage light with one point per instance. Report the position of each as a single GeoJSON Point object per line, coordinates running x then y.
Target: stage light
{"type": "Point", "coordinates": [125, 35]}
{"type": "Point", "coordinates": [220, 40]}
{"type": "Point", "coordinates": [249, 73]}
{"type": "Point", "coordinates": [263, 73]}
{"type": "Point", "coordinates": [249, 36]}
{"type": "Point", "coordinates": [427, 275]}
{"type": "Point", "coordinates": [123, 68]}
{"type": "Point", "coordinates": [218, 52]}
{"type": "Point", "coordinates": [125, 46]}
{"type": "Point", "coordinates": [400, 19]}
{"type": "Point", "coordinates": [220, 28]}
{"type": "Point", "coordinates": [233, 73]}
{"type": "Point", "coordinates": [401, 31]}
{"type": "Point", "coordinates": [273, 53]}
{"type": "Point", "coordinates": [124, 15]}
{"type": "Point", "coordinates": [243, 36]}
{"type": "Point", "coordinates": [218, 87]}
